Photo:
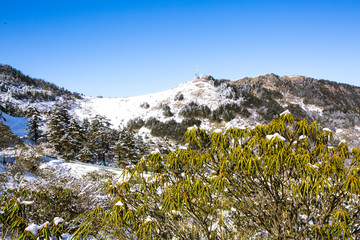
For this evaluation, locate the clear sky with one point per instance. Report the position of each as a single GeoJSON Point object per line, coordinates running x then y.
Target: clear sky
{"type": "Point", "coordinates": [133, 47]}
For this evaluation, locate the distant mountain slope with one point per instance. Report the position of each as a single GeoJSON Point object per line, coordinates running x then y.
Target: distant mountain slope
{"type": "Point", "coordinates": [213, 104]}
{"type": "Point", "coordinates": [331, 96]}
{"type": "Point", "coordinates": [17, 89]}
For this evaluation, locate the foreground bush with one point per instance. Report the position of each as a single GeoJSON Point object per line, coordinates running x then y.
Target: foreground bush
{"type": "Point", "coordinates": [284, 180]}
{"type": "Point", "coordinates": [45, 207]}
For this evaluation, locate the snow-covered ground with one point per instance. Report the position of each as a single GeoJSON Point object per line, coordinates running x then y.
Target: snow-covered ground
{"type": "Point", "coordinates": [121, 110]}
{"type": "Point", "coordinates": [16, 124]}
{"type": "Point", "coordinates": [78, 169]}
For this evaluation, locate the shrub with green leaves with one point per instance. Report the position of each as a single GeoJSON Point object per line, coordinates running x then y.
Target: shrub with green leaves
{"type": "Point", "coordinates": [284, 180]}
{"type": "Point", "coordinates": [15, 224]}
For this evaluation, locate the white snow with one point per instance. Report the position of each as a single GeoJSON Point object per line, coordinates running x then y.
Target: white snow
{"type": "Point", "coordinates": [78, 169]}
{"type": "Point", "coordinates": [2, 212]}
{"type": "Point", "coordinates": [285, 112]}
{"type": "Point", "coordinates": [192, 128]}
{"type": "Point", "coordinates": [149, 219]}
{"type": "Point", "coordinates": [33, 229]}
{"type": "Point", "coordinates": [302, 137]}
{"type": "Point", "coordinates": [155, 151]}
{"type": "Point", "coordinates": [119, 203]}
{"type": "Point", "coordinates": [339, 130]}
{"type": "Point", "coordinates": [276, 135]}
{"type": "Point", "coordinates": [58, 220]}
{"type": "Point", "coordinates": [217, 131]}
{"type": "Point", "coordinates": [326, 129]}
{"type": "Point", "coordinates": [17, 125]}
{"type": "Point", "coordinates": [26, 203]}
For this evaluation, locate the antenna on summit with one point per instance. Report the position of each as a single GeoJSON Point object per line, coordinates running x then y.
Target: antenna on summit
{"type": "Point", "coordinates": [197, 72]}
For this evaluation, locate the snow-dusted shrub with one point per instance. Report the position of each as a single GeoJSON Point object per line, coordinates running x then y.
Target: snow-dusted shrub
{"type": "Point", "coordinates": [228, 111]}
{"type": "Point", "coordinates": [170, 129]}
{"type": "Point", "coordinates": [145, 105]}
{"type": "Point", "coordinates": [270, 109]}
{"type": "Point", "coordinates": [167, 111]}
{"type": "Point", "coordinates": [27, 160]}
{"type": "Point", "coordinates": [179, 97]}
{"type": "Point", "coordinates": [52, 195]}
{"type": "Point", "coordinates": [14, 223]}
{"type": "Point", "coordinates": [194, 110]}
{"type": "Point", "coordinates": [128, 149]}
{"type": "Point", "coordinates": [284, 180]}
{"type": "Point", "coordinates": [298, 112]}
{"type": "Point", "coordinates": [134, 124]}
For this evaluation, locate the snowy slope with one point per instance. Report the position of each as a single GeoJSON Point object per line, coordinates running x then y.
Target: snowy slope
{"type": "Point", "coordinates": [205, 91]}
{"type": "Point", "coordinates": [121, 110]}
{"type": "Point", "coordinates": [17, 125]}
{"type": "Point", "coordinates": [78, 169]}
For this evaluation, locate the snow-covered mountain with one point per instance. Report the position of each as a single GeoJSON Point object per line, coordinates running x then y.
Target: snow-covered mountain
{"type": "Point", "coordinates": [214, 104]}
{"type": "Point", "coordinates": [204, 101]}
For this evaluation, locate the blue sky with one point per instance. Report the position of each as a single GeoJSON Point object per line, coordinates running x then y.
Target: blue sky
{"type": "Point", "coordinates": [133, 47]}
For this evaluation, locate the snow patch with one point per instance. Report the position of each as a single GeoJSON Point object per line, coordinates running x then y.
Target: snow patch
{"type": "Point", "coordinates": [343, 141]}
{"type": "Point", "coordinates": [78, 169]}
{"type": "Point", "coordinates": [25, 203]}
{"type": "Point", "coordinates": [285, 112]}
{"type": "Point", "coordinates": [58, 220]}
{"type": "Point", "coordinates": [192, 128]}
{"type": "Point", "coordinates": [149, 219]}
{"type": "Point", "coordinates": [155, 151]}
{"type": "Point", "coordinates": [17, 125]}
{"type": "Point", "coordinates": [275, 136]}
{"type": "Point", "coordinates": [33, 229]}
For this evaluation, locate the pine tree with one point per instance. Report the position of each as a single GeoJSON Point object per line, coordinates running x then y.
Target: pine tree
{"type": "Point", "coordinates": [85, 155]}
{"type": "Point", "coordinates": [75, 137]}
{"type": "Point", "coordinates": [57, 131]}
{"type": "Point", "coordinates": [100, 137]}
{"type": "Point", "coordinates": [33, 126]}
{"type": "Point", "coordinates": [128, 149]}
{"type": "Point", "coordinates": [7, 138]}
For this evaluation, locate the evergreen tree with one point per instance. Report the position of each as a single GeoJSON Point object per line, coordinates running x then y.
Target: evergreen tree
{"type": "Point", "coordinates": [128, 149]}
{"type": "Point", "coordinates": [76, 138]}
{"type": "Point", "coordinates": [33, 127]}
{"type": "Point", "coordinates": [100, 137]}
{"type": "Point", "coordinates": [7, 138]}
{"type": "Point", "coordinates": [86, 155]}
{"type": "Point", "coordinates": [57, 131]}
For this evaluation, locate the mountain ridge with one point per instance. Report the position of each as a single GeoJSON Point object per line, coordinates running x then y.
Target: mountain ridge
{"type": "Point", "coordinates": [214, 103]}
